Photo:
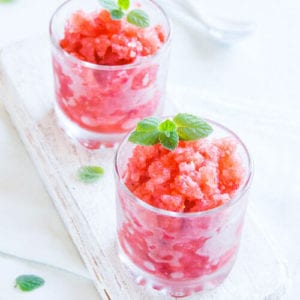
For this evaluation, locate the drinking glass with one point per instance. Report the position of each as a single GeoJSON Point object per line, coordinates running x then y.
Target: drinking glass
{"type": "Point", "coordinates": [179, 253]}
{"type": "Point", "coordinates": [97, 104]}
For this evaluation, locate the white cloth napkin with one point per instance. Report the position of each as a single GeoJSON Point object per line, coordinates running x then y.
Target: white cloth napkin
{"type": "Point", "coordinates": [31, 229]}
{"type": "Point", "coordinates": [59, 285]}
{"type": "Point", "coordinates": [30, 226]}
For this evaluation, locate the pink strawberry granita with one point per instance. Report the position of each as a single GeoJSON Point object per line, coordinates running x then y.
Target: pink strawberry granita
{"type": "Point", "coordinates": [96, 38]}
{"type": "Point", "coordinates": [108, 73]}
{"type": "Point", "coordinates": [196, 176]}
{"type": "Point", "coordinates": [180, 213]}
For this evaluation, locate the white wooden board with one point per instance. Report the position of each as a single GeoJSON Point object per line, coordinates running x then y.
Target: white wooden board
{"type": "Point", "coordinates": [89, 210]}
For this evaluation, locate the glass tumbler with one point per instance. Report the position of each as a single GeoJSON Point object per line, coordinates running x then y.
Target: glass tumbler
{"type": "Point", "coordinates": [179, 253]}
{"type": "Point", "coordinates": [97, 104]}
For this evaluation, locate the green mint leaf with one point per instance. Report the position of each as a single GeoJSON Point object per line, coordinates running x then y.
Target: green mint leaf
{"type": "Point", "coordinates": [90, 174]}
{"type": "Point", "coordinates": [190, 127]}
{"type": "Point", "coordinates": [108, 4]}
{"type": "Point", "coordinates": [146, 132]}
{"type": "Point", "coordinates": [124, 4]}
{"type": "Point", "coordinates": [116, 14]}
{"type": "Point", "coordinates": [148, 124]}
{"type": "Point", "coordinates": [169, 139]}
{"type": "Point", "coordinates": [186, 127]}
{"type": "Point", "coordinates": [144, 138]}
{"type": "Point", "coordinates": [167, 125]}
{"type": "Point", "coordinates": [139, 18]}
{"type": "Point", "coordinates": [27, 283]}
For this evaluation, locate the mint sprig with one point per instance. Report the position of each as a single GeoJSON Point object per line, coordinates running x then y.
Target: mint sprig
{"type": "Point", "coordinates": [146, 133]}
{"type": "Point", "coordinates": [118, 10]}
{"type": "Point", "coordinates": [108, 4]}
{"type": "Point", "coordinates": [28, 283]}
{"type": "Point", "coordinates": [117, 14]}
{"type": "Point", "coordinates": [138, 17]}
{"type": "Point", "coordinates": [90, 174]}
{"type": "Point", "coordinates": [169, 139]}
{"type": "Point", "coordinates": [185, 127]}
{"type": "Point", "coordinates": [190, 127]}
{"type": "Point", "coordinates": [124, 4]}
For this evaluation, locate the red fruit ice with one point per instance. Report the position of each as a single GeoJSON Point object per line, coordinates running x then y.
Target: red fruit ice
{"type": "Point", "coordinates": [122, 86]}
{"type": "Point", "coordinates": [197, 176]}
{"type": "Point", "coordinates": [196, 251]}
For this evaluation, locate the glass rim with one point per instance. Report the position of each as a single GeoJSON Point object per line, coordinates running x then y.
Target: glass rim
{"type": "Point", "coordinates": [238, 195]}
{"type": "Point", "coordinates": [141, 61]}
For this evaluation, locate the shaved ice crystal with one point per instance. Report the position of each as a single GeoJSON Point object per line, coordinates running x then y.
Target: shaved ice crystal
{"type": "Point", "coordinates": [96, 38]}
{"type": "Point", "coordinates": [196, 176]}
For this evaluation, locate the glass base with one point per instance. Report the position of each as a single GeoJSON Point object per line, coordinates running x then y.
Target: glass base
{"type": "Point", "coordinates": [87, 139]}
{"type": "Point", "coordinates": [175, 288]}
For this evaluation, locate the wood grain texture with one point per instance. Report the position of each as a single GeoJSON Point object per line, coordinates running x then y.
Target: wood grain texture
{"type": "Point", "coordinates": [88, 211]}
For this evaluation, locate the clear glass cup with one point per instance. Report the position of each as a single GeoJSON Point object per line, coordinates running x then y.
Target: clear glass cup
{"type": "Point", "coordinates": [179, 253]}
{"type": "Point", "coordinates": [97, 104]}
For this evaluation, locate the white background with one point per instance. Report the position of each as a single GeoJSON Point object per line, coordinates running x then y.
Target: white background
{"type": "Point", "coordinates": [264, 69]}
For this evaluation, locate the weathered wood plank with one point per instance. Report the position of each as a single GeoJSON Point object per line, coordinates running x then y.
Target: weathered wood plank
{"type": "Point", "coordinates": [89, 210]}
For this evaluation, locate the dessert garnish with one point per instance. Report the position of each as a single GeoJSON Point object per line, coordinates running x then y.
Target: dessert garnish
{"type": "Point", "coordinates": [90, 174]}
{"type": "Point", "coordinates": [120, 9]}
{"type": "Point", "coordinates": [28, 283]}
{"type": "Point", "coordinates": [183, 127]}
